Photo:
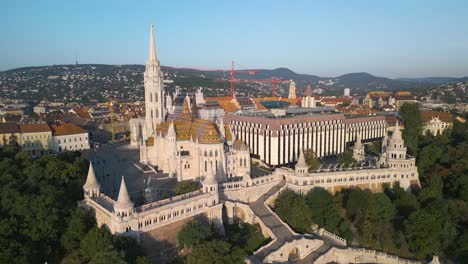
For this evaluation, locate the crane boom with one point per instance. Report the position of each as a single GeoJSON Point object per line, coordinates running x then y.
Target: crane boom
{"type": "Point", "coordinates": [232, 73]}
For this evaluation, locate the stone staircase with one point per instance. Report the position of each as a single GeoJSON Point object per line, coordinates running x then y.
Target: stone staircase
{"type": "Point", "coordinates": [282, 233]}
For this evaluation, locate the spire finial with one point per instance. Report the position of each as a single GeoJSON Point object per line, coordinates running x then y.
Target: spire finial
{"type": "Point", "coordinates": [152, 49]}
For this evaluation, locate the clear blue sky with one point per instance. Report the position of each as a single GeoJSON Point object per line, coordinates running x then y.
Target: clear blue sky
{"type": "Point", "coordinates": [398, 38]}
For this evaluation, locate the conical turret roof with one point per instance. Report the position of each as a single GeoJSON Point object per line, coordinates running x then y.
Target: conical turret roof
{"type": "Point", "coordinates": [123, 201]}
{"type": "Point", "coordinates": [210, 178]}
{"type": "Point", "coordinates": [301, 163]}
{"type": "Point", "coordinates": [396, 136]}
{"type": "Point", "coordinates": [91, 180]}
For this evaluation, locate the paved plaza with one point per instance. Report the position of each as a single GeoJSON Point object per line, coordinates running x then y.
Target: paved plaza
{"type": "Point", "coordinates": [112, 161]}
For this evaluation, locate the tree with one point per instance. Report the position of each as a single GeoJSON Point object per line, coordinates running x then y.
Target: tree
{"type": "Point", "coordinates": [292, 208]}
{"type": "Point", "coordinates": [78, 224]}
{"type": "Point", "coordinates": [96, 240]}
{"type": "Point", "coordinates": [193, 233]}
{"type": "Point", "coordinates": [346, 158]}
{"type": "Point", "coordinates": [374, 148]}
{"type": "Point", "coordinates": [356, 204]}
{"type": "Point", "coordinates": [322, 209]}
{"type": "Point", "coordinates": [311, 159]}
{"type": "Point", "coordinates": [413, 126]}
{"type": "Point", "coordinates": [422, 233]}
{"type": "Point", "coordinates": [380, 208]}
{"type": "Point", "coordinates": [216, 252]}
{"type": "Point", "coordinates": [186, 187]}
{"type": "Point", "coordinates": [106, 257]}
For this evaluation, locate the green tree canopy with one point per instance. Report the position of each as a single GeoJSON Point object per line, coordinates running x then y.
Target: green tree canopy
{"type": "Point", "coordinates": [346, 158]}
{"type": "Point", "coordinates": [186, 187]}
{"type": "Point", "coordinates": [193, 233]}
{"type": "Point", "coordinates": [311, 159]}
{"type": "Point", "coordinates": [411, 115]}
{"type": "Point", "coordinates": [292, 208]}
{"type": "Point", "coordinates": [216, 252]}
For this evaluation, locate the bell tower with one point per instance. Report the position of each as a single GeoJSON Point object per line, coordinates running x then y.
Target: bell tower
{"type": "Point", "coordinates": [153, 81]}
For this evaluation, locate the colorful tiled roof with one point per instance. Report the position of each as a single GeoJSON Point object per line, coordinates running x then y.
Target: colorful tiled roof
{"type": "Point", "coordinates": [228, 134]}
{"type": "Point", "coordinates": [228, 103]}
{"type": "Point", "coordinates": [187, 129]}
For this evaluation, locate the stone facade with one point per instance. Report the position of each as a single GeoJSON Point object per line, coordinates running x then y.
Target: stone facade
{"type": "Point", "coordinates": [122, 217]}
{"type": "Point", "coordinates": [436, 122]}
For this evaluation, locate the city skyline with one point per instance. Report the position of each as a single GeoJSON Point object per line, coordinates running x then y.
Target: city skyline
{"type": "Point", "coordinates": [407, 40]}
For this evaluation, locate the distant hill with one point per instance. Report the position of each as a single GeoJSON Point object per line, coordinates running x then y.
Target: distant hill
{"type": "Point", "coordinates": [96, 82]}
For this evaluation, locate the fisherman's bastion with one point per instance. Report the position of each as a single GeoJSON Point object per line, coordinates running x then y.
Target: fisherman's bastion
{"type": "Point", "coordinates": [186, 140]}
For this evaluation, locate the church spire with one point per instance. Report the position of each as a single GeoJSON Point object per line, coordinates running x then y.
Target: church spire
{"type": "Point", "coordinates": [152, 49]}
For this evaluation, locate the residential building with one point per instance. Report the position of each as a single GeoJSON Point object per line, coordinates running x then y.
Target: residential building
{"type": "Point", "coordinates": [378, 99]}
{"type": "Point", "coordinates": [403, 97]}
{"type": "Point", "coordinates": [9, 134]}
{"type": "Point", "coordinates": [436, 122]}
{"type": "Point", "coordinates": [68, 137]}
{"type": "Point", "coordinates": [35, 138]}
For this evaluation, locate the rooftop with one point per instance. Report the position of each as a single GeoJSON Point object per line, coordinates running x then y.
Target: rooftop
{"type": "Point", "coordinates": [9, 128]}
{"type": "Point", "coordinates": [34, 128]}
{"type": "Point", "coordinates": [66, 129]}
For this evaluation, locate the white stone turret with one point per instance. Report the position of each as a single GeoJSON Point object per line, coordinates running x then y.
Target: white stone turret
{"type": "Point", "coordinates": [394, 155]}
{"type": "Point", "coordinates": [91, 187]}
{"type": "Point", "coordinates": [124, 205]}
{"type": "Point", "coordinates": [359, 153]}
{"type": "Point", "coordinates": [396, 146]}
{"type": "Point", "coordinates": [292, 90]}
{"type": "Point", "coordinates": [210, 183]}
{"type": "Point", "coordinates": [301, 167]}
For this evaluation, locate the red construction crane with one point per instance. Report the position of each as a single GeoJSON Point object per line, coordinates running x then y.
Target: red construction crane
{"type": "Point", "coordinates": [274, 81]}
{"type": "Point", "coordinates": [232, 72]}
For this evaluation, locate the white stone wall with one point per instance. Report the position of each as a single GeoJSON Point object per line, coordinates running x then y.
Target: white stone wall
{"type": "Point", "coordinates": [350, 255]}
{"type": "Point", "coordinates": [70, 142]}
{"type": "Point", "coordinates": [302, 247]}
{"type": "Point", "coordinates": [155, 215]}
{"type": "Point", "coordinates": [436, 126]}
{"type": "Point", "coordinates": [334, 181]}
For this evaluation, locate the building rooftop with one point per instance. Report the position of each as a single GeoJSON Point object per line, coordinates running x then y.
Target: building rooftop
{"type": "Point", "coordinates": [66, 129]}
{"type": "Point", "coordinates": [34, 128]}
{"type": "Point", "coordinates": [427, 116]}
{"type": "Point", "coordinates": [9, 128]}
